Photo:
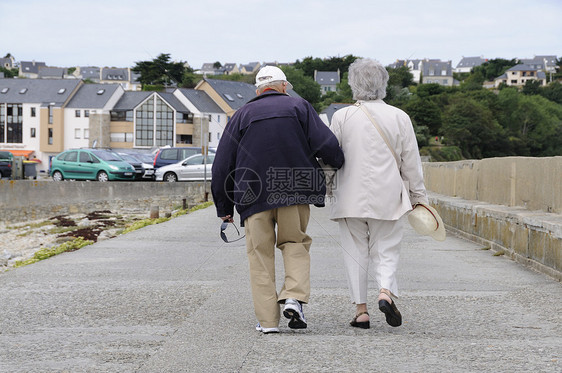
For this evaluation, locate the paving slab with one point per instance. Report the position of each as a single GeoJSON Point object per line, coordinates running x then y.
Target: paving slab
{"type": "Point", "coordinates": [173, 297]}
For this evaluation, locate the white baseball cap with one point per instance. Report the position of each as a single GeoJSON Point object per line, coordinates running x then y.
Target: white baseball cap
{"type": "Point", "coordinates": [270, 74]}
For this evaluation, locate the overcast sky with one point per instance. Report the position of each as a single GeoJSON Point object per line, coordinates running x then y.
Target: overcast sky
{"type": "Point", "coordinates": [120, 33]}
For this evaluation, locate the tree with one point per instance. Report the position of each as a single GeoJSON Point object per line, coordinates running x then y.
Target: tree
{"type": "Point", "coordinates": [472, 126]}
{"type": "Point", "coordinates": [305, 86]}
{"type": "Point", "coordinates": [308, 65]}
{"type": "Point", "coordinates": [217, 65]}
{"type": "Point", "coordinates": [531, 87]}
{"type": "Point", "coordinates": [160, 71]}
{"type": "Point", "coordinates": [424, 112]}
{"type": "Point", "coordinates": [493, 68]}
{"type": "Point", "coordinates": [553, 92]}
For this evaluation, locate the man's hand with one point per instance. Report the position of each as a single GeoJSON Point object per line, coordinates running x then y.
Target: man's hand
{"type": "Point", "coordinates": [227, 218]}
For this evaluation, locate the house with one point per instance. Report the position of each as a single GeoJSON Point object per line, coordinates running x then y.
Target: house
{"type": "Point", "coordinates": [89, 100]}
{"type": "Point", "coordinates": [209, 69]}
{"type": "Point", "coordinates": [7, 62]}
{"type": "Point", "coordinates": [30, 69]}
{"type": "Point", "coordinates": [201, 105]}
{"type": "Point", "coordinates": [148, 120]}
{"type": "Point", "coordinates": [250, 68]}
{"type": "Point", "coordinates": [123, 76]}
{"type": "Point", "coordinates": [47, 72]}
{"type": "Point", "coordinates": [326, 114]}
{"type": "Point", "coordinates": [466, 64]}
{"type": "Point", "coordinates": [437, 71]}
{"type": "Point", "coordinates": [414, 66]}
{"type": "Point", "coordinates": [32, 119]}
{"type": "Point", "coordinates": [230, 68]}
{"type": "Point", "coordinates": [328, 80]}
{"type": "Point", "coordinates": [518, 75]}
{"type": "Point", "coordinates": [90, 73]}
{"type": "Point", "coordinates": [230, 95]}
{"type": "Point", "coordinates": [545, 63]}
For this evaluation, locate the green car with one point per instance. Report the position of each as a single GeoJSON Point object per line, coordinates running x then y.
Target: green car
{"type": "Point", "coordinates": [90, 164]}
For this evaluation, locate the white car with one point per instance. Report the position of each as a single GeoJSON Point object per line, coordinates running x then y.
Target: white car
{"type": "Point", "coordinates": [191, 168]}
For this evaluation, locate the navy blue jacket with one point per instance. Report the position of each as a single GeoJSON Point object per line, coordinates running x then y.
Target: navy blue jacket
{"type": "Point", "coordinates": [266, 157]}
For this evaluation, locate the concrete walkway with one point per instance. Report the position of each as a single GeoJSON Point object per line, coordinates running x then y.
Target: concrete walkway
{"type": "Point", "coordinates": [174, 298]}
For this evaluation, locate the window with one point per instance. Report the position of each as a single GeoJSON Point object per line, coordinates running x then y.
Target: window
{"type": "Point", "coordinates": [85, 157]}
{"type": "Point", "coordinates": [14, 123]}
{"type": "Point", "coordinates": [514, 81]}
{"type": "Point", "coordinates": [77, 133]}
{"type": "Point", "coordinates": [4, 90]}
{"type": "Point", "coordinates": [33, 112]}
{"type": "Point", "coordinates": [23, 90]}
{"type": "Point", "coordinates": [61, 91]}
{"type": "Point", "coordinates": [154, 123]}
{"type": "Point", "coordinates": [71, 157]}
{"type": "Point", "coordinates": [50, 114]}
{"type": "Point", "coordinates": [228, 97]}
{"type": "Point", "coordinates": [218, 135]}
{"type": "Point", "coordinates": [239, 95]}
{"type": "Point", "coordinates": [101, 91]}
{"type": "Point", "coordinates": [32, 135]}
{"type": "Point", "coordinates": [50, 136]}
{"type": "Point", "coordinates": [121, 137]}
{"type": "Point", "coordinates": [86, 113]}
{"type": "Point", "coordinates": [86, 133]}
{"type": "Point", "coordinates": [210, 137]}
{"type": "Point", "coordinates": [77, 113]}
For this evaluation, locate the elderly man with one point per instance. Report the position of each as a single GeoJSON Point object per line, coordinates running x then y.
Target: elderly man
{"type": "Point", "coordinates": [266, 165]}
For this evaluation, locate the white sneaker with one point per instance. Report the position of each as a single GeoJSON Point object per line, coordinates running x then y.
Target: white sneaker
{"type": "Point", "coordinates": [259, 328]}
{"type": "Point", "coordinates": [293, 311]}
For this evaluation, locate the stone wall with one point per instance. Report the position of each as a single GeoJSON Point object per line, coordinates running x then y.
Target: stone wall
{"type": "Point", "coordinates": [23, 200]}
{"type": "Point", "coordinates": [512, 205]}
{"type": "Point", "coordinates": [531, 183]}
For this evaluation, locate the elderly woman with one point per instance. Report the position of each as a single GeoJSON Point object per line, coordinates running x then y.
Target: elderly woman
{"type": "Point", "coordinates": [374, 188]}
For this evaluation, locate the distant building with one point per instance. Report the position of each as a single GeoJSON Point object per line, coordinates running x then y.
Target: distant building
{"type": "Point", "coordinates": [437, 71]}
{"type": "Point", "coordinates": [518, 75]}
{"type": "Point", "coordinates": [30, 69]}
{"type": "Point", "coordinates": [201, 105]}
{"type": "Point", "coordinates": [250, 68]}
{"type": "Point", "coordinates": [466, 64]}
{"type": "Point", "coordinates": [328, 80]}
{"type": "Point", "coordinates": [8, 62]}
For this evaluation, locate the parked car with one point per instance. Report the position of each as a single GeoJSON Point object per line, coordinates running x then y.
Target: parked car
{"type": "Point", "coordinates": [90, 164]}
{"type": "Point", "coordinates": [142, 170]}
{"type": "Point", "coordinates": [166, 156]}
{"type": "Point", "coordinates": [192, 168]}
{"type": "Point", "coordinates": [147, 161]}
{"type": "Point", "coordinates": [6, 164]}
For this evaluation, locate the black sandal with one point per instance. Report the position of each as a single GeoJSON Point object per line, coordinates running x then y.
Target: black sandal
{"type": "Point", "coordinates": [393, 316]}
{"type": "Point", "coordinates": [360, 324]}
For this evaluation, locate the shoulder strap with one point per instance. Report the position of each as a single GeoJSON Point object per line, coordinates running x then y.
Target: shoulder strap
{"type": "Point", "coordinates": [380, 132]}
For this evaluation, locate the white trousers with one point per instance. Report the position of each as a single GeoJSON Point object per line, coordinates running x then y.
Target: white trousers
{"type": "Point", "coordinates": [365, 241]}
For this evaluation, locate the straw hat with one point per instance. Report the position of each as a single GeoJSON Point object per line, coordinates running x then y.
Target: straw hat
{"type": "Point", "coordinates": [426, 221]}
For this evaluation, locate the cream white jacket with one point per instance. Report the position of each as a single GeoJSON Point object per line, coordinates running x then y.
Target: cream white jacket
{"type": "Point", "coordinates": [370, 184]}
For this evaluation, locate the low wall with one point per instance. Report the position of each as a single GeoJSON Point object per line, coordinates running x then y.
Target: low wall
{"type": "Point", "coordinates": [22, 200]}
{"type": "Point", "coordinates": [531, 183]}
{"type": "Point", "coordinates": [511, 205]}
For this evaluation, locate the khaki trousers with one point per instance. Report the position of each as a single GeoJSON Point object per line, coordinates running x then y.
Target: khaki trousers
{"type": "Point", "coordinates": [294, 244]}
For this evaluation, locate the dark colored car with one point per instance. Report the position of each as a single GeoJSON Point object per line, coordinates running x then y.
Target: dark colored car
{"type": "Point", "coordinates": [90, 164]}
{"type": "Point", "coordinates": [166, 156]}
{"type": "Point", "coordinates": [6, 164]}
{"type": "Point", "coordinates": [142, 162]}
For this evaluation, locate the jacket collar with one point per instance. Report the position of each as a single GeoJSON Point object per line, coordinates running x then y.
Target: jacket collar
{"type": "Point", "coordinates": [268, 93]}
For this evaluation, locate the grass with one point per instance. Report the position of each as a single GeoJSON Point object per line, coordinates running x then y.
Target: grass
{"type": "Point", "coordinates": [43, 254]}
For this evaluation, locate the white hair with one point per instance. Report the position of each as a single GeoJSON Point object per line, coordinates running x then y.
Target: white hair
{"type": "Point", "coordinates": [367, 79]}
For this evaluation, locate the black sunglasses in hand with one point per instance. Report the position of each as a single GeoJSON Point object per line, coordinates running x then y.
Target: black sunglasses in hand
{"type": "Point", "coordinates": [224, 225]}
